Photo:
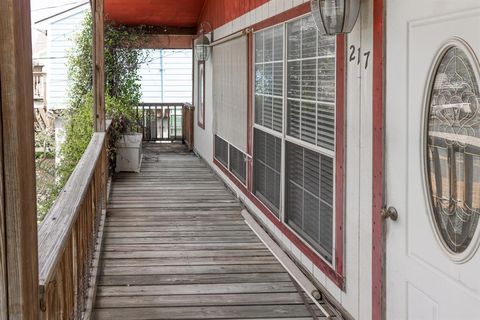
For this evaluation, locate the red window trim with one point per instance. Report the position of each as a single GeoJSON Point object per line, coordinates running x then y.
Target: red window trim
{"type": "Point", "coordinates": [335, 275]}
{"type": "Point", "coordinates": [201, 107]}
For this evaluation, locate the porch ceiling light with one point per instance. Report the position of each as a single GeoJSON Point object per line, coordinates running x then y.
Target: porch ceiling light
{"type": "Point", "coordinates": [335, 16]}
{"type": "Point", "coordinates": [202, 44]}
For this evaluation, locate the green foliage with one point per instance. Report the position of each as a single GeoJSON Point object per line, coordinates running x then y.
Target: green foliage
{"type": "Point", "coordinates": [45, 170]}
{"type": "Point", "coordinates": [122, 93]}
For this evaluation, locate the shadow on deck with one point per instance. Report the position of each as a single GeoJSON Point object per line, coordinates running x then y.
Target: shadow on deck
{"type": "Point", "coordinates": [177, 247]}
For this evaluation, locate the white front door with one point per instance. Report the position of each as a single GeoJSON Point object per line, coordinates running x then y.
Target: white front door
{"type": "Point", "coordinates": [432, 162]}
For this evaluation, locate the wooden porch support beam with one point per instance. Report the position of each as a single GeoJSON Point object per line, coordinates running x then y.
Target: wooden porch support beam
{"type": "Point", "coordinates": [98, 66]}
{"type": "Point", "coordinates": [18, 219]}
{"type": "Point", "coordinates": [161, 41]}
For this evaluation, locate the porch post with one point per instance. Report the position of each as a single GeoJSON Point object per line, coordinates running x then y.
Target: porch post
{"type": "Point", "coordinates": [18, 219]}
{"type": "Point", "coordinates": [98, 66]}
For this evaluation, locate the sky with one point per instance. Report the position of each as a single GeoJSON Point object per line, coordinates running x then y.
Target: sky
{"type": "Point", "coordinates": [42, 8]}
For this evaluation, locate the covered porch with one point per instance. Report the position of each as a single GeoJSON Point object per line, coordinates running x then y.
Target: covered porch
{"type": "Point", "coordinates": [176, 246]}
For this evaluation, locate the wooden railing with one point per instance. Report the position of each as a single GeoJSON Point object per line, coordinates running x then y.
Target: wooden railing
{"type": "Point", "coordinates": [39, 85]}
{"type": "Point", "coordinates": [67, 237]}
{"type": "Point", "coordinates": [188, 125]}
{"type": "Point", "coordinates": [160, 121]}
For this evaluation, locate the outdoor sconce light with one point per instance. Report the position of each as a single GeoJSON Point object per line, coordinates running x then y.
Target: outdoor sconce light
{"type": "Point", "coordinates": [202, 45]}
{"type": "Point", "coordinates": [335, 16]}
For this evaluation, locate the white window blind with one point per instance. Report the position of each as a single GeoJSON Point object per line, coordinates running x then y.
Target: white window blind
{"type": "Point", "coordinates": [311, 87]}
{"type": "Point", "coordinates": [229, 61]}
{"type": "Point", "coordinates": [309, 196]}
{"type": "Point", "coordinates": [307, 68]}
{"type": "Point", "coordinates": [269, 78]}
{"type": "Point", "coordinates": [267, 155]}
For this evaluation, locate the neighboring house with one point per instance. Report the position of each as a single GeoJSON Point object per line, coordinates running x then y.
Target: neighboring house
{"type": "Point", "coordinates": [167, 77]}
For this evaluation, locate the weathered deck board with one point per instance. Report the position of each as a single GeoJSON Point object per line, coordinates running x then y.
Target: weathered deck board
{"type": "Point", "coordinates": [177, 247]}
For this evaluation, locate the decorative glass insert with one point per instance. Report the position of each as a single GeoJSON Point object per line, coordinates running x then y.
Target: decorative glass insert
{"type": "Point", "coordinates": [453, 149]}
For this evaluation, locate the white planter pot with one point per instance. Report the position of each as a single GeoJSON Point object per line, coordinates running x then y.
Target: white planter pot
{"type": "Point", "coordinates": [129, 153]}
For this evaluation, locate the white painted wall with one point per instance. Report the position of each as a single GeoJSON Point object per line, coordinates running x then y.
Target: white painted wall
{"type": "Point", "coordinates": [356, 298]}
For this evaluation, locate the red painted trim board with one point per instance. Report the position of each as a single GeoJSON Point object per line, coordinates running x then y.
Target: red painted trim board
{"type": "Point", "coordinates": [378, 305]}
{"type": "Point", "coordinates": [282, 17]}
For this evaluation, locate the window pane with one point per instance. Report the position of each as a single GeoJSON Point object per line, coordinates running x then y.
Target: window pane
{"type": "Point", "coordinates": [293, 112]}
{"type": "Point", "coordinates": [259, 47]}
{"type": "Point", "coordinates": [293, 79]}
{"type": "Point", "coordinates": [267, 152]}
{"type": "Point", "coordinates": [267, 112]}
{"type": "Point", "coordinates": [326, 45]}
{"type": "Point", "coordinates": [309, 79]}
{"type": "Point", "coordinates": [259, 109]}
{"type": "Point", "coordinates": [278, 79]}
{"type": "Point", "coordinates": [259, 76]}
{"type": "Point", "coordinates": [306, 211]}
{"type": "Point", "coordinates": [269, 79]}
{"type": "Point", "coordinates": [308, 122]}
{"type": "Point", "coordinates": [294, 37]}
{"type": "Point", "coordinates": [277, 114]}
{"type": "Point", "coordinates": [278, 43]}
{"type": "Point", "coordinates": [326, 79]}
{"type": "Point", "coordinates": [309, 37]}
{"type": "Point", "coordinates": [268, 42]}
{"type": "Point", "coordinates": [326, 126]}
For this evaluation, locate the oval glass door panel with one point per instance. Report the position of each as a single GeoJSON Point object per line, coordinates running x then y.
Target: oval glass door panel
{"type": "Point", "coordinates": [453, 149]}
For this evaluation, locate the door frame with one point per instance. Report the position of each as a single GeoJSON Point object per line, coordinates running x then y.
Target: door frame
{"type": "Point", "coordinates": [378, 162]}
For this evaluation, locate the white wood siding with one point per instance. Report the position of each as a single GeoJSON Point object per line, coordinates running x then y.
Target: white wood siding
{"type": "Point", "coordinates": [174, 84]}
{"type": "Point", "coordinates": [61, 34]}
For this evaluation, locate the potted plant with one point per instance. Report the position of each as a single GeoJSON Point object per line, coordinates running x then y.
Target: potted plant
{"type": "Point", "coordinates": [127, 145]}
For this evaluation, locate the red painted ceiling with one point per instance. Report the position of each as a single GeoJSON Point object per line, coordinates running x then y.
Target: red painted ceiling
{"type": "Point", "coordinates": [174, 13]}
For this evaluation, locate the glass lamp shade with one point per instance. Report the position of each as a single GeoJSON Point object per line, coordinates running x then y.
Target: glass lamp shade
{"type": "Point", "coordinates": [202, 48]}
{"type": "Point", "coordinates": [335, 16]}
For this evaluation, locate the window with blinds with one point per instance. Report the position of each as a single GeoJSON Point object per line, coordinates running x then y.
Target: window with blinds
{"type": "Point", "coordinates": [295, 56]}
{"type": "Point", "coordinates": [267, 153]}
{"type": "Point", "coordinates": [238, 165]}
{"type": "Point", "coordinates": [309, 196]}
{"type": "Point", "coordinates": [311, 71]}
{"type": "Point", "coordinates": [221, 150]}
{"type": "Point", "coordinates": [269, 78]}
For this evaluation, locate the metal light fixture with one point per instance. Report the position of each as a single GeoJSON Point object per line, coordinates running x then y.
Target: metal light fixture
{"type": "Point", "coordinates": [202, 45]}
{"type": "Point", "coordinates": [335, 16]}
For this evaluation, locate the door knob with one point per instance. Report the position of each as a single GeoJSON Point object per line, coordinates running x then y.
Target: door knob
{"type": "Point", "coordinates": [389, 212]}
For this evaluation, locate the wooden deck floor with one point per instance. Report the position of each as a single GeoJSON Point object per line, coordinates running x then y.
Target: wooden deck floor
{"type": "Point", "coordinates": [177, 247]}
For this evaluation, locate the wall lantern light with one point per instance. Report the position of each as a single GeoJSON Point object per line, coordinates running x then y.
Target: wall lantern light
{"type": "Point", "coordinates": [202, 45]}
{"type": "Point", "coordinates": [335, 16]}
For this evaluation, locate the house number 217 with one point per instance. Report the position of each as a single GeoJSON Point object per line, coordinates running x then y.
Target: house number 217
{"type": "Point", "coordinates": [356, 55]}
